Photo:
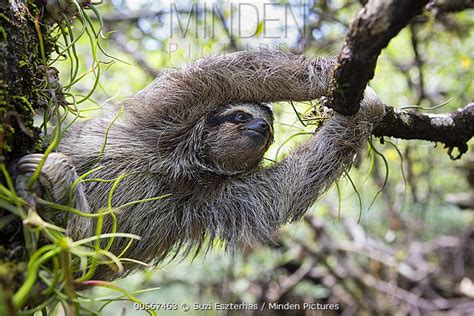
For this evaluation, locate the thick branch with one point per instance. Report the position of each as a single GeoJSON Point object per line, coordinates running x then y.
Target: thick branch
{"type": "Point", "coordinates": [454, 129]}
{"type": "Point", "coordinates": [372, 29]}
{"type": "Point", "coordinates": [448, 6]}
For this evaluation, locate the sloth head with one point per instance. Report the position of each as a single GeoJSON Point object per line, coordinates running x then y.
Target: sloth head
{"type": "Point", "coordinates": [237, 136]}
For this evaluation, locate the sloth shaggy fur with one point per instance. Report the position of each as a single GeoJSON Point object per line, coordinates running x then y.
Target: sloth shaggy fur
{"type": "Point", "coordinates": [167, 142]}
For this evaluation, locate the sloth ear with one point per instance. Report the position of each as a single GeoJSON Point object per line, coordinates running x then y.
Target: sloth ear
{"type": "Point", "coordinates": [179, 151]}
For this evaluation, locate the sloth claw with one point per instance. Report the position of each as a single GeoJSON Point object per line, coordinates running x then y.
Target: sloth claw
{"type": "Point", "coordinates": [27, 167]}
{"type": "Point", "coordinates": [56, 169]}
{"type": "Point", "coordinates": [29, 163]}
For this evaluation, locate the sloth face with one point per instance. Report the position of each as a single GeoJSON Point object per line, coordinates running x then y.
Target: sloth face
{"type": "Point", "coordinates": [238, 136]}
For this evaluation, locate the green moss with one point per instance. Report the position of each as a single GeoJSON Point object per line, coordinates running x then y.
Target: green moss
{"type": "Point", "coordinates": [3, 34]}
{"type": "Point", "coordinates": [7, 148]}
{"type": "Point", "coordinates": [4, 17]}
{"type": "Point", "coordinates": [23, 63]}
{"type": "Point", "coordinates": [8, 132]}
{"type": "Point", "coordinates": [19, 95]}
{"type": "Point", "coordinates": [25, 105]}
{"type": "Point", "coordinates": [32, 7]}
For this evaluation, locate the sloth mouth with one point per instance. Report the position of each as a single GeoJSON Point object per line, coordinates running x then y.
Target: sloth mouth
{"type": "Point", "coordinates": [256, 132]}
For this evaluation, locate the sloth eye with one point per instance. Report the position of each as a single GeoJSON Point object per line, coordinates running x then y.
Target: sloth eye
{"type": "Point", "coordinates": [241, 117]}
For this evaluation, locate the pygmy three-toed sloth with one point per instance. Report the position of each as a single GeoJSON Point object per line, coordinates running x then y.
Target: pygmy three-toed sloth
{"type": "Point", "coordinates": [199, 134]}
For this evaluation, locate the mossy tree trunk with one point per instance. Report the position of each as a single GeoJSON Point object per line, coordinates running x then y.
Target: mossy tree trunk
{"type": "Point", "coordinates": [22, 76]}
{"type": "Point", "coordinates": [25, 46]}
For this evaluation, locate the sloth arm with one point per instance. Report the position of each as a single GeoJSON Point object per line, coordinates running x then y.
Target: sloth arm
{"type": "Point", "coordinates": [185, 94]}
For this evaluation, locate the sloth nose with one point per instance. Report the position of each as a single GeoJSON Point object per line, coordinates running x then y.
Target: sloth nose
{"type": "Point", "coordinates": [259, 125]}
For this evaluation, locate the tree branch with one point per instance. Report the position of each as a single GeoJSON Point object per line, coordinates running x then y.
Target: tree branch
{"type": "Point", "coordinates": [453, 129]}
{"type": "Point", "coordinates": [449, 6]}
{"type": "Point", "coordinates": [372, 29]}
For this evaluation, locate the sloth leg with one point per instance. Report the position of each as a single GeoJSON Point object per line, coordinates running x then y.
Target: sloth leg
{"type": "Point", "coordinates": [56, 179]}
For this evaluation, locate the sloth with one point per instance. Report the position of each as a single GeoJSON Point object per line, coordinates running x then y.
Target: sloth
{"type": "Point", "coordinates": [197, 136]}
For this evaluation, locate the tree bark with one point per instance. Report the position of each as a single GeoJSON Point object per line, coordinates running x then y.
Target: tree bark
{"type": "Point", "coordinates": [371, 31]}
{"type": "Point", "coordinates": [453, 129]}
{"type": "Point", "coordinates": [21, 77]}
{"type": "Point", "coordinates": [23, 92]}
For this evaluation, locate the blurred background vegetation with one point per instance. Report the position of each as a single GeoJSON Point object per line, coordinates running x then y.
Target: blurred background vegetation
{"type": "Point", "coordinates": [390, 238]}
